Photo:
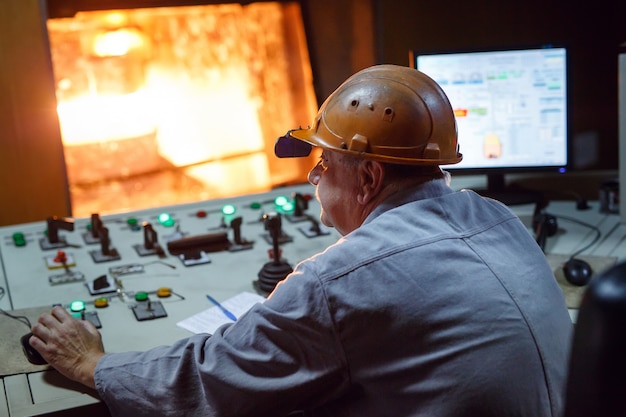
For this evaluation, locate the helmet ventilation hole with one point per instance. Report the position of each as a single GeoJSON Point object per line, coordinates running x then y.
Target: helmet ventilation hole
{"type": "Point", "coordinates": [388, 114]}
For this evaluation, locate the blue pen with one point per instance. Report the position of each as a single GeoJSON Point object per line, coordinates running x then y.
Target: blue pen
{"type": "Point", "coordinates": [221, 307]}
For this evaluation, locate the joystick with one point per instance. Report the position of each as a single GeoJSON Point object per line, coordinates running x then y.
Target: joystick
{"type": "Point", "coordinates": [277, 269]}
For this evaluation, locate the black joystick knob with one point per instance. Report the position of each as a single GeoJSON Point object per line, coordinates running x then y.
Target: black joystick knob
{"type": "Point", "coordinates": [277, 269]}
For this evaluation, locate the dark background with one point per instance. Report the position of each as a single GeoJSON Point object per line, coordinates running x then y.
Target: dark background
{"type": "Point", "coordinates": [591, 30]}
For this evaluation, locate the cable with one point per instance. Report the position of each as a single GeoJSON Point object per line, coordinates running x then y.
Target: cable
{"type": "Point", "coordinates": [21, 319]}
{"type": "Point", "coordinates": [590, 226]}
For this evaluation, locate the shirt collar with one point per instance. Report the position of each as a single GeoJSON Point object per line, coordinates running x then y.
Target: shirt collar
{"type": "Point", "coordinates": [429, 189]}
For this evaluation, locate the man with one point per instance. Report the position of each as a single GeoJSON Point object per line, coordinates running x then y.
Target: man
{"type": "Point", "coordinates": [433, 303]}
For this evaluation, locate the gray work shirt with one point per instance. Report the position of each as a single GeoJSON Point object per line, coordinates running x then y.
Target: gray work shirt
{"type": "Point", "coordinates": [440, 304]}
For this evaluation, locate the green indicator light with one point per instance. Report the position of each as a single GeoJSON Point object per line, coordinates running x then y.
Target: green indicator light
{"type": "Point", "coordinates": [228, 210]}
{"type": "Point", "coordinates": [131, 221]}
{"type": "Point", "coordinates": [255, 205]}
{"type": "Point", "coordinates": [77, 306]}
{"type": "Point", "coordinates": [166, 220]}
{"type": "Point", "coordinates": [19, 239]}
{"type": "Point", "coordinates": [287, 207]}
{"type": "Point", "coordinates": [141, 296]}
{"type": "Point", "coordinates": [281, 200]}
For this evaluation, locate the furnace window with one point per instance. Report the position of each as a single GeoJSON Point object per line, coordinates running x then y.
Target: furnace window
{"type": "Point", "coordinates": [168, 105]}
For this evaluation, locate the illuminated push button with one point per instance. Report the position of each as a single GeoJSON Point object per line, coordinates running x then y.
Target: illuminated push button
{"type": "Point", "coordinates": [101, 302]}
{"type": "Point", "coordinates": [288, 207]}
{"type": "Point", "coordinates": [283, 204]}
{"type": "Point", "coordinates": [280, 201]}
{"type": "Point", "coordinates": [141, 296]}
{"type": "Point", "coordinates": [166, 220]}
{"type": "Point", "coordinates": [164, 292]}
{"type": "Point", "coordinates": [77, 306]}
{"type": "Point", "coordinates": [19, 239]}
{"type": "Point", "coordinates": [228, 213]}
{"type": "Point", "coordinates": [229, 210]}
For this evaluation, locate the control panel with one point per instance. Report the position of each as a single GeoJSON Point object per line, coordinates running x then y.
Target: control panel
{"type": "Point", "coordinates": [135, 275]}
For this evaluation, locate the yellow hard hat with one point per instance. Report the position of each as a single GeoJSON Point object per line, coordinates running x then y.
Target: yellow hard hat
{"type": "Point", "coordinates": [387, 113]}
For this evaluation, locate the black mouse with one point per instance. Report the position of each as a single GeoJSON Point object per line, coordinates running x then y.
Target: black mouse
{"type": "Point", "coordinates": [31, 353]}
{"type": "Point", "coordinates": [577, 271]}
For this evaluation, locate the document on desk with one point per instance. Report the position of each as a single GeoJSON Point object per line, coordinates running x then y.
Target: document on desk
{"type": "Point", "coordinates": [209, 320]}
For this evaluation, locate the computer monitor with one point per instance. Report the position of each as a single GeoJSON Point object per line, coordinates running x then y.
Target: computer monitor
{"type": "Point", "coordinates": [511, 107]}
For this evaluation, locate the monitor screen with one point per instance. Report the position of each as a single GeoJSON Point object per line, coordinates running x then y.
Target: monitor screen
{"type": "Point", "coordinates": [510, 107]}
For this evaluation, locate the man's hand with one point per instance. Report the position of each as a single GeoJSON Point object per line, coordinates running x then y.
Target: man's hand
{"type": "Point", "coordinates": [73, 347]}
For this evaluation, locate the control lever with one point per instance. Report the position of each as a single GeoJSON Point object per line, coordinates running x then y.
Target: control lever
{"type": "Point", "coordinates": [96, 224]}
{"type": "Point", "coordinates": [106, 252]}
{"type": "Point", "coordinates": [53, 240]}
{"type": "Point", "coordinates": [55, 223]}
{"type": "Point", "coordinates": [93, 230]}
{"type": "Point", "coordinates": [277, 269]}
{"type": "Point", "coordinates": [314, 229]}
{"type": "Point", "coordinates": [240, 243]}
{"type": "Point", "coordinates": [301, 204]}
{"type": "Point", "coordinates": [150, 244]}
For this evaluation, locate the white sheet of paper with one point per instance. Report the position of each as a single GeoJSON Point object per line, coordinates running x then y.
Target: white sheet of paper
{"type": "Point", "coordinates": [209, 320]}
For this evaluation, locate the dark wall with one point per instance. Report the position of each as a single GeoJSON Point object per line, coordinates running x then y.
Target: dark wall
{"type": "Point", "coordinates": [341, 40]}
{"type": "Point", "coordinates": [591, 30]}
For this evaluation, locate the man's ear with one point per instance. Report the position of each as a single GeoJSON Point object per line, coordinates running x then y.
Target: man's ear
{"type": "Point", "coordinates": [370, 176]}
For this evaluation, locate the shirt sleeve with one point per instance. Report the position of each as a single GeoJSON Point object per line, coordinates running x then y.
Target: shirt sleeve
{"type": "Point", "coordinates": [282, 355]}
